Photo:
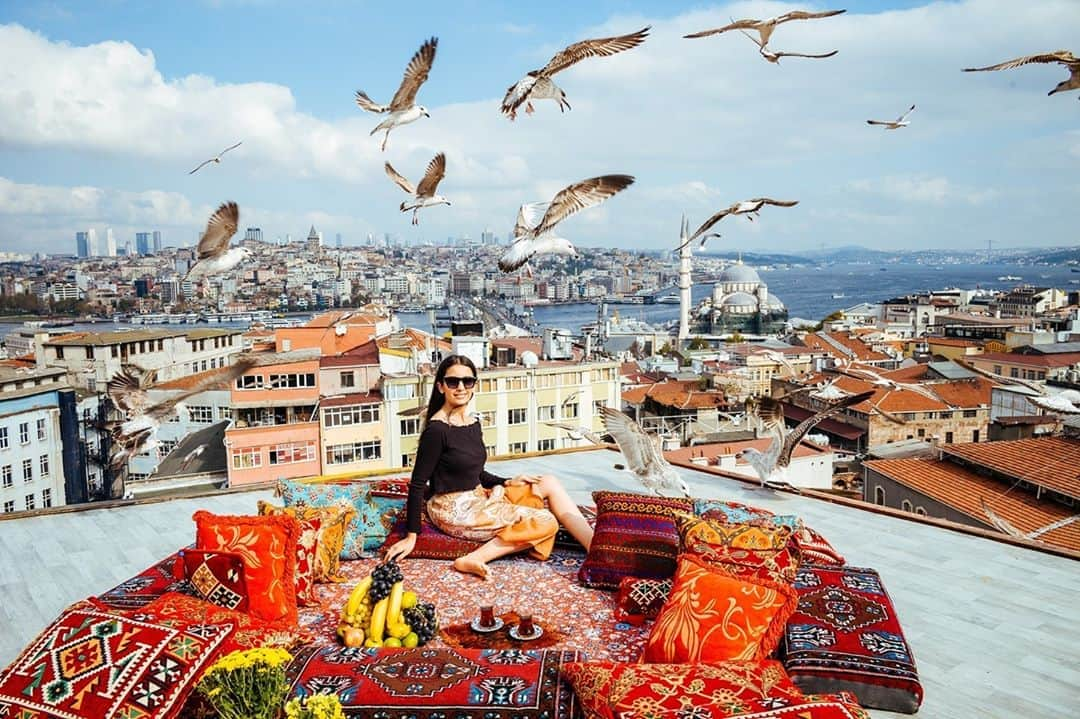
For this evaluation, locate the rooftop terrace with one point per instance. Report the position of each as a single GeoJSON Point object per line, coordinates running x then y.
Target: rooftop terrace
{"type": "Point", "coordinates": [992, 624]}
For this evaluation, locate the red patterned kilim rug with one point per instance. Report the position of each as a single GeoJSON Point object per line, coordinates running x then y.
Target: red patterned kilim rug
{"type": "Point", "coordinates": [583, 617]}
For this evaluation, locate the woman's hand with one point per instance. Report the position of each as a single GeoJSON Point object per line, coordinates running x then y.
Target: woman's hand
{"type": "Point", "coordinates": [401, 548]}
{"type": "Point", "coordinates": [522, 479]}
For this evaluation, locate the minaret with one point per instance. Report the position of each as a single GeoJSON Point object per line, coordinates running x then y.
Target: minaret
{"type": "Point", "coordinates": [684, 282]}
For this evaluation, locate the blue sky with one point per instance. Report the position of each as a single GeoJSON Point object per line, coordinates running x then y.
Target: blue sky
{"type": "Point", "coordinates": [107, 105]}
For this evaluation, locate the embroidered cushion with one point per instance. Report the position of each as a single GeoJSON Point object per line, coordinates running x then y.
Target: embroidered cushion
{"type": "Point", "coordinates": [377, 506]}
{"type": "Point", "coordinates": [737, 513]}
{"type": "Point", "coordinates": [307, 542]}
{"type": "Point", "coordinates": [815, 549]}
{"type": "Point", "coordinates": [712, 616]}
{"type": "Point", "coordinates": [640, 599]}
{"type": "Point", "coordinates": [217, 577]}
{"type": "Point", "coordinates": [147, 585]}
{"type": "Point", "coordinates": [333, 522]}
{"type": "Point", "coordinates": [714, 689]}
{"type": "Point", "coordinates": [845, 636]}
{"type": "Point", "coordinates": [431, 542]}
{"type": "Point", "coordinates": [268, 548]}
{"type": "Point", "coordinates": [93, 664]}
{"type": "Point", "coordinates": [635, 536]}
{"type": "Point", "coordinates": [753, 550]}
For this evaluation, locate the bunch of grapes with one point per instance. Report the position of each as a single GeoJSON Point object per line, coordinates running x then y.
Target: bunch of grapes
{"type": "Point", "coordinates": [423, 621]}
{"type": "Point", "coordinates": [383, 578]}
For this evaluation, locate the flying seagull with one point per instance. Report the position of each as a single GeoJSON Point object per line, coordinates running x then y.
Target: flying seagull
{"type": "Point", "coordinates": [874, 378]}
{"type": "Point", "coordinates": [537, 84]}
{"type": "Point", "coordinates": [216, 159]}
{"type": "Point", "coordinates": [1008, 528]}
{"type": "Point", "coordinates": [576, 432]}
{"type": "Point", "coordinates": [771, 465]}
{"type": "Point", "coordinates": [1064, 402]}
{"type": "Point", "coordinates": [765, 27]}
{"type": "Point", "coordinates": [774, 56]}
{"type": "Point", "coordinates": [138, 433]}
{"type": "Point", "coordinates": [213, 255]}
{"type": "Point", "coordinates": [750, 208]}
{"type": "Point", "coordinates": [127, 389]}
{"type": "Point", "coordinates": [1066, 58]}
{"type": "Point", "coordinates": [424, 193]}
{"type": "Point", "coordinates": [533, 231]}
{"type": "Point", "coordinates": [403, 108]}
{"type": "Point", "coordinates": [642, 453]}
{"type": "Point", "coordinates": [896, 124]}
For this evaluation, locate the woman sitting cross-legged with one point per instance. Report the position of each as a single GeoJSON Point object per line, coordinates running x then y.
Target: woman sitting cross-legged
{"type": "Point", "coordinates": [464, 500]}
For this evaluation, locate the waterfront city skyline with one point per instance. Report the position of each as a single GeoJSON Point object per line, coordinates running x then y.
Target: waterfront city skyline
{"type": "Point", "coordinates": [704, 123]}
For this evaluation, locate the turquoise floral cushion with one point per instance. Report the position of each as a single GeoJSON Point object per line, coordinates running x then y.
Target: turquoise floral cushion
{"type": "Point", "coordinates": [377, 503]}
{"type": "Point", "coordinates": [736, 513]}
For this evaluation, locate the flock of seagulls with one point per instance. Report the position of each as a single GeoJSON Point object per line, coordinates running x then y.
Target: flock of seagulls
{"type": "Point", "coordinates": [765, 28]}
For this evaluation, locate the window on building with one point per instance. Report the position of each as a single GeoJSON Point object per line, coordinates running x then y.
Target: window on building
{"type": "Point", "coordinates": [354, 452]}
{"type": "Point", "coordinates": [516, 415]}
{"type": "Point", "coordinates": [250, 381]}
{"type": "Point", "coordinates": [89, 353]}
{"type": "Point", "coordinates": [201, 414]}
{"type": "Point", "coordinates": [598, 406]}
{"type": "Point", "coordinates": [28, 470]}
{"type": "Point", "coordinates": [6, 471]}
{"type": "Point", "coordinates": [292, 452]}
{"type": "Point", "coordinates": [487, 417]}
{"type": "Point", "coordinates": [59, 353]}
{"type": "Point", "coordinates": [519, 447]}
{"type": "Point", "coordinates": [545, 412]}
{"type": "Point", "coordinates": [29, 499]}
{"type": "Point", "coordinates": [46, 498]}
{"type": "Point", "coordinates": [545, 445]}
{"type": "Point", "coordinates": [487, 385]}
{"type": "Point", "coordinates": [348, 379]}
{"type": "Point", "coordinates": [879, 495]}
{"type": "Point", "coordinates": [948, 438]}
{"type": "Point", "coordinates": [3, 438]}
{"type": "Point", "coordinates": [356, 414]}
{"type": "Point", "coordinates": [43, 465]}
{"type": "Point", "coordinates": [292, 380]}
{"type": "Point", "coordinates": [224, 413]}
{"type": "Point", "coordinates": [905, 505]}
{"type": "Point", "coordinates": [166, 446]}
{"type": "Point", "coordinates": [975, 435]}
{"type": "Point", "coordinates": [1014, 372]}
{"type": "Point", "coordinates": [24, 433]}
{"type": "Point", "coordinates": [407, 460]}
{"type": "Point", "coordinates": [921, 433]}
{"type": "Point", "coordinates": [920, 511]}
{"type": "Point", "coordinates": [9, 506]}
{"type": "Point", "coordinates": [570, 411]}
{"type": "Point", "coordinates": [410, 426]}
{"type": "Point", "coordinates": [42, 433]}
{"type": "Point", "coordinates": [516, 383]}
{"type": "Point", "coordinates": [247, 457]}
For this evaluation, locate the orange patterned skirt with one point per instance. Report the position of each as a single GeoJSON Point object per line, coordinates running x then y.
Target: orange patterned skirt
{"type": "Point", "coordinates": [514, 514]}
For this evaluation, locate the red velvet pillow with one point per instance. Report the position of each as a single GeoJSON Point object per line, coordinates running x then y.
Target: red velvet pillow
{"type": "Point", "coordinates": [218, 577]}
{"type": "Point", "coordinates": [431, 542]}
{"type": "Point", "coordinates": [712, 616]}
{"type": "Point", "coordinates": [714, 689]}
{"type": "Point", "coordinates": [268, 548]}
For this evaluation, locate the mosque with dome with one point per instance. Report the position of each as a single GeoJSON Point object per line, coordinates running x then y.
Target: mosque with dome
{"type": "Point", "coordinates": [740, 302]}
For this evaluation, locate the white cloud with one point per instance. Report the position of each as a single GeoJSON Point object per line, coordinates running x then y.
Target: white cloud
{"type": "Point", "coordinates": [700, 123]}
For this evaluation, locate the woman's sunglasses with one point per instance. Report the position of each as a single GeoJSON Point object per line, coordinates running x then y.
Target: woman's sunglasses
{"type": "Point", "coordinates": [453, 382]}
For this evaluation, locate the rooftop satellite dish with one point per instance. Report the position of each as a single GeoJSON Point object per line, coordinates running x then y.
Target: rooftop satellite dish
{"type": "Point", "coordinates": [529, 359]}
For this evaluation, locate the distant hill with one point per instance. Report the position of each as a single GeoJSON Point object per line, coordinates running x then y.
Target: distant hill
{"type": "Point", "coordinates": [759, 258]}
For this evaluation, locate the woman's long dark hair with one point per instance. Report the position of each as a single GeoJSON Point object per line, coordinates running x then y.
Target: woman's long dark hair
{"type": "Point", "coordinates": [437, 399]}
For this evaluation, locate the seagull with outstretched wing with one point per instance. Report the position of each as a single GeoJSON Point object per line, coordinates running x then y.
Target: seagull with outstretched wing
{"type": "Point", "coordinates": [642, 453]}
{"type": "Point", "coordinates": [1008, 528]}
{"type": "Point", "coordinates": [1064, 57]}
{"type": "Point", "coordinates": [403, 108]}
{"type": "Point", "coordinates": [534, 229]}
{"type": "Point", "coordinates": [217, 158]}
{"type": "Point", "coordinates": [424, 193]}
{"type": "Point", "coordinates": [750, 208]}
{"type": "Point", "coordinates": [213, 256]}
{"type": "Point", "coordinates": [127, 388]}
{"type": "Point", "coordinates": [576, 432]}
{"type": "Point", "coordinates": [765, 27]}
{"type": "Point", "coordinates": [138, 433]}
{"type": "Point", "coordinates": [896, 124]}
{"type": "Point", "coordinates": [538, 85]}
{"type": "Point", "coordinates": [772, 464]}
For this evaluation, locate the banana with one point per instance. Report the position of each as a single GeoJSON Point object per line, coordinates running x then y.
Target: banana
{"type": "Point", "coordinates": [393, 611]}
{"type": "Point", "coordinates": [378, 620]}
{"type": "Point", "coordinates": [357, 596]}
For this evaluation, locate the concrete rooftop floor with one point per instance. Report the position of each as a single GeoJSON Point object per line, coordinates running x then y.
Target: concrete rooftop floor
{"type": "Point", "coordinates": [993, 626]}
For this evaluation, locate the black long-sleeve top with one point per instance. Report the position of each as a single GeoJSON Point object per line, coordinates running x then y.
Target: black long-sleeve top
{"type": "Point", "coordinates": [449, 459]}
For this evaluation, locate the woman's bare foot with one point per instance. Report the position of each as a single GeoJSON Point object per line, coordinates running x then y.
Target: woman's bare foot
{"type": "Point", "coordinates": [468, 565]}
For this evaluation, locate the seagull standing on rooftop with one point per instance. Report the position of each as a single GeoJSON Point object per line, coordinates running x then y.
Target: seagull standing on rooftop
{"type": "Point", "coordinates": [138, 433]}
{"type": "Point", "coordinates": [424, 193]}
{"type": "Point", "coordinates": [216, 159]}
{"type": "Point", "coordinates": [642, 453]}
{"type": "Point", "coordinates": [536, 221]}
{"type": "Point", "coordinates": [772, 464]}
{"type": "Point", "coordinates": [896, 124]}
{"type": "Point", "coordinates": [1066, 58]}
{"type": "Point", "coordinates": [213, 255]}
{"type": "Point", "coordinates": [403, 108]}
{"type": "Point", "coordinates": [765, 27]}
{"type": "Point", "coordinates": [537, 84]}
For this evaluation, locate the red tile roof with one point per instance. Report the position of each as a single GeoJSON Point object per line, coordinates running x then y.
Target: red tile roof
{"type": "Point", "coordinates": [1065, 359]}
{"type": "Point", "coordinates": [829, 425]}
{"type": "Point", "coordinates": [678, 394]}
{"type": "Point", "coordinates": [365, 354]}
{"type": "Point", "coordinates": [962, 490]}
{"type": "Point", "coordinates": [351, 399]}
{"type": "Point", "coordinates": [715, 449]}
{"type": "Point", "coordinates": [1050, 462]}
{"type": "Point", "coordinates": [859, 349]}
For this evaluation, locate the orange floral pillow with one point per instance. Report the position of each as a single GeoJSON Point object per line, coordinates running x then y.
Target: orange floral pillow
{"type": "Point", "coordinates": [268, 548]}
{"type": "Point", "coordinates": [609, 690]}
{"type": "Point", "coordinates": [736, 536]}
{"type": "Point", "coordinates": [712, 616]}
{"type": "Point", "coordinates": [334, 521]}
